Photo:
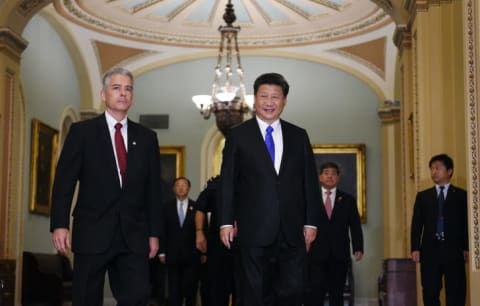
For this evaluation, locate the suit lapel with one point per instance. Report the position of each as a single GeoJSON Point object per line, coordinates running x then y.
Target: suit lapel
{"type": "Point", "coordinates": [132, 133]}
{"type": "Point", "coordinates": [106, 146]}
{"type": "Point", "coordinates": [259, 142]}
{"type": "Point", "coordinates": [286, 137]}
{"type": "Point", "coordinates": [324, 209]}
{"type": "Point", "coordinates": [189, 214]}
{"type": "Point", "coordinates": [175, 216]}
{"type": "Point", "coordinates": [450, 194]}
{"type": "Point", "coordinates": [434, 200]}
{"type": "Point", "coordinates": [337, 202]}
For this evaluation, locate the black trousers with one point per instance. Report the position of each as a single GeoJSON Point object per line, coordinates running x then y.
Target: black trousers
{"type": "Point", "coordinates": [158, 279]}
{"type": "Point", "coordinates": [220, 267]}
{"type": "Point", "coordinates": [433, 269]}
{"type": "Point", "coordinates": [128, 274]}
{"type": "Point", "coordinates": [325, 276]}
{"type": "Point", "coordinates": [182, 279]}
{"type": "Point", "coordinates": [272, 275]}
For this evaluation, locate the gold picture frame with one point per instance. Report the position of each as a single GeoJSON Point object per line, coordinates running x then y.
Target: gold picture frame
{"type": "Point", "coordinates": [172, 163]}
{"type": "Point", "coordinates": [351, 160]}
{"type": "Point", "coordinates": [43, 161]}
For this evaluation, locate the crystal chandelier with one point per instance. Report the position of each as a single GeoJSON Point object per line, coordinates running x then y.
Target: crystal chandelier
{"type": "Point", "coordinates": [228, 101]}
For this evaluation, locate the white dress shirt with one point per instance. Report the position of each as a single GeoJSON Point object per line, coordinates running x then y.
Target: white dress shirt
{"type": "Point", "coordinates": [445, 190]}
{"type": "Point", "coordinates": [332, 195]}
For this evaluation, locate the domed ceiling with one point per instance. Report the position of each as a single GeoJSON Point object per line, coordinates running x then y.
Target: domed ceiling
{"type": "Point", "coordinates": [195, 22]}
{"type": "Point", "coordinates": [353, 35]}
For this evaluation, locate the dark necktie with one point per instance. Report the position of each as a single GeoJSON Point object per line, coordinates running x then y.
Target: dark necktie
{"type": "Point", "coordinates": [121, 152]}
{"type": "Point", "coordinates": [440, 224]}
{"type": "Point", "coordinates": [181, 213]}
{"type": "Point", "coordinates": [270, 144]}
{"type": "Point", "coordinates": [328, 204]}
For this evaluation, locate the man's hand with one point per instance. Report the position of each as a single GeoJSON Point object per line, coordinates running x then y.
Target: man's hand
{"type": "Point", "coordinates": [154, 245]}
{"type": "Point", "coordinates": [162, 258]}
{"type": "Point", "coordinates": [358, 255]}
{"type": "Point", "coordinates": [226, 235]}
{"type": "Point", "coordinates": [61, 240]}
{"type": "Point", "coordinates": [416, 256]}
{"type": "Point", "coordinates": [310, 234]}
{"type": "Point", "coordinates": [200, 241]}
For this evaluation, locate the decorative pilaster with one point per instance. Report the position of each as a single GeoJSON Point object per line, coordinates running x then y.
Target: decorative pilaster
{"type": "Point", "coordinates": [471, 35]}
{"type": "Point", "coordinates": [393, 234]}
{"type": "Point", "coordinates": [472, 92]}
{"type": "Point", "coordinates": [12, 152]}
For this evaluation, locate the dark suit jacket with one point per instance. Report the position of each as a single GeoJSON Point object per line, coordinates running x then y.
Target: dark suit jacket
{"type": "Point", "coordinates": [424, 223]}
{"type": "Point", "coordinates": [103, 207]}
{"type": "Point", "coordinates": [207, 201]}
{"type": "Point", "coordinates": [262, 202]}
{"type": "Point", "coordinates": [333, 239]}
{"type": "Point", "coordinates": [180, 241]}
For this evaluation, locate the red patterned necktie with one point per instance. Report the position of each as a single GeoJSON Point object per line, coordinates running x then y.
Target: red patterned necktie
{"type": "Point", "coordinates": [121, 152]}
{"type": "Point", "coordinates": [328, 204]}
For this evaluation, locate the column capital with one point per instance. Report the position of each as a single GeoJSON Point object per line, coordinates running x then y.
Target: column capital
{"type": "Point", "coordinates": [402, 37]}
{"type": "Point", "coordinates": [390, 112]}
{"type": "Point", "coordinates": [12, 43]}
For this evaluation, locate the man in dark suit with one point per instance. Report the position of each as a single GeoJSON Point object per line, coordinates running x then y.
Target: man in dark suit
{"type": "Point", "coordinates": [180, 253]}
{"type": "Point", "coordinates": [269, 188]}
{"type": "Point", "coordinates": [329, 256]}
{"type": "Point", "coordinates": [219, 278]}
{"type": "Point", "coordinates": [439, 235]}
{"type": "Point", "coordinates": [116, 163]}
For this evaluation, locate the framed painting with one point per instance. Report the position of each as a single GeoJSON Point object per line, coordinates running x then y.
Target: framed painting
{"type": "Point", "coordinates": [172, 165]}
{"type": "Point", "coordinates": [43, 161]}
{"type": "Point", "coordinates": [350, 158]}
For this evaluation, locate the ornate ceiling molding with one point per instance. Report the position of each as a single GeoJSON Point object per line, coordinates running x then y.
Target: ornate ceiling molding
{"type": "Point", "coordinates": [30, 7]}
{"type": "Point", "coordinates": [385, 4]}
{"type": "Point", "coordinates": [71, 10]}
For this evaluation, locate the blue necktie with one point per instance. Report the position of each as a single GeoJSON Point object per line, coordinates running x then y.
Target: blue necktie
{"type": "Point", "coordinates": [181, 213]}
{"type": "Point", "coordinates": [270, 144]}
{"type": "Point", "coordinates": [440, 225]}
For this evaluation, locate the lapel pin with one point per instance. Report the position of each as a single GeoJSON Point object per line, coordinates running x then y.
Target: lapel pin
{"type": "Point", "coordinates": [134, 143]}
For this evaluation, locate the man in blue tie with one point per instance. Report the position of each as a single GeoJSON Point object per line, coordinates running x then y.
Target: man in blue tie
{"type": "Point", "coordinates": [269, 188]}
{"type": "Point", "coordinates": [439, 235]}
{"type": "Point", "coordinates": [179, 251]}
